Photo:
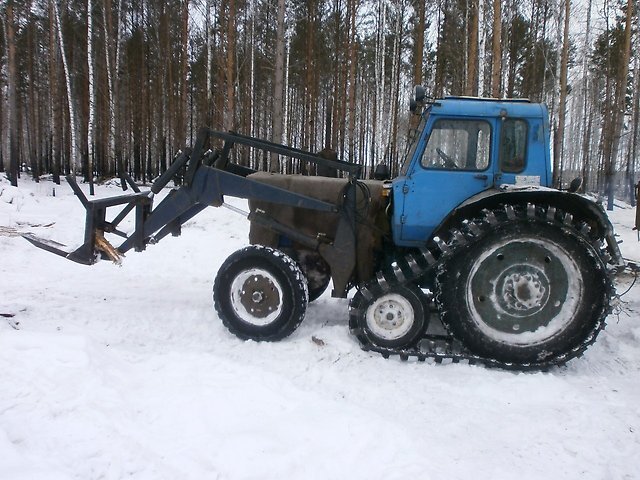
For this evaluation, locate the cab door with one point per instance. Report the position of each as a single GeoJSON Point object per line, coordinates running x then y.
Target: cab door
{"type": "Point", "coordinates": [455, 164]}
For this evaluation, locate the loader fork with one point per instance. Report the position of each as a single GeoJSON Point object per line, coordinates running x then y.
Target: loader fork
{"type": "Point", "coordinates": [96, 225]}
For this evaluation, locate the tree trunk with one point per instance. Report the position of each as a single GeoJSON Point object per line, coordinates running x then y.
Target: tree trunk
{"type": "Point", "coordinates": [209, 67]}
{"type": "Point", "coordinates": [418, 47]}
{"type": "Point", "coordinates": [12, 94]}
{"type": "Point", "coordinates": [229, 113]}
{"type": "Point", "coordinates": [54, 137]}
{"type": "Point", "coordinates": [496, 55]}
{"type": "Point", "coordinates": [278, 85]}
{"type": "Point", "coordinates": [67, 77]}
{"type": "Point", "coordinates": [481, 47]}
{"type": "Point", "coordinates": [92, 97]}
{"type": "Point", "coordinates": [381, 52]}
{"type": "Point", "coordinates": [619, 107]}
{"type": "Point", "coordinates": [471, 87]}
{"type": "Point", "coordinates": [585, 102]}
{"type": "Point", "coordinates": [562, 106]}
{"type": "Point", "coordinates": [633, 144]}
{"type": "Point", "coordinates": [112, 71]}
{"type": "Point", "coordinates": [181, 127]}
{"type": "Point", "coordinates": [31, 102]}
{"type": "Point", "coordinates": [352, 6]}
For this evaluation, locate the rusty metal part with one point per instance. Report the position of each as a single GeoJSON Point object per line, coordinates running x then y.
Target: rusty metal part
{"type": "Point", "coordinates": [259, 296]}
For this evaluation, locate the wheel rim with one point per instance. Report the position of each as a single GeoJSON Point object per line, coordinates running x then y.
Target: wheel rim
{"type": "Point", "coordinates": [524, 292]}
{"type": "Point", "coordinates": [256, 296]}
{"type": "Point", "coordinates": [390, 317]}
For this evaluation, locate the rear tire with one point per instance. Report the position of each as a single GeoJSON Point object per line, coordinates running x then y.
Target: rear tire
{"type": "Point", "coordinates": [260, 294]}
{"type": "Point", "coordinates": [526, 291]}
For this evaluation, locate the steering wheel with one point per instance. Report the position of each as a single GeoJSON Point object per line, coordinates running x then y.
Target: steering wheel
{"type": "Point", "coordinates": [447, 161]}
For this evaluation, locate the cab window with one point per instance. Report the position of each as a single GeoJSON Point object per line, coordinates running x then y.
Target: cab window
{"type": "Point", "coordinates": [458, 145]}
{"type": "Point", "coordinates": [513, 145]}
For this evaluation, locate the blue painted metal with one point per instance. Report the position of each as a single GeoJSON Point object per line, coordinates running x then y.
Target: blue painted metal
{"type": "Point", "coordinates": [425, 193]}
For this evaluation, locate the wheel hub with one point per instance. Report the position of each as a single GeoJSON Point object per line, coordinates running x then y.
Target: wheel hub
{"type": "Point", "coordinates": [519, 287]}
{"type": "Point", "coordinates": [259, 296]}
{"type": "Point", "coordinates": [523, 289]}
{"type": "Point", "coordinates": [256, 296]}
{"type": "Point", "coordinates": [390, 317]}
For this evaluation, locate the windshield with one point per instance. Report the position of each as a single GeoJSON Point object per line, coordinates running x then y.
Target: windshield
{"type": "Point", "coordinates": [412, 143]}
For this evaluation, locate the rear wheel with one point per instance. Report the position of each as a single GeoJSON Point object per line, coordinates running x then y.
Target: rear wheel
{"type": "Point", "coordinates": [260, 294]}
{"type": "Point", "coordinates": [527, 290]}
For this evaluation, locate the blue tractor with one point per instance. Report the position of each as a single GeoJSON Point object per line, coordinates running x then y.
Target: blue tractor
{"type": "Point", "coordinates": [468, 254]}
{"type": "Point", "coordinates": [519, 272]}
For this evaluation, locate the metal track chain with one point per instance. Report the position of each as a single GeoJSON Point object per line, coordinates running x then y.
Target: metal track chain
{"type": "Point", "coordinates": [432, 259]}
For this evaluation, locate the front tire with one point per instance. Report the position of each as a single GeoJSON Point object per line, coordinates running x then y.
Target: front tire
{"type": "Point", "coordinates": [260, 294]}
{"type": "Point", "coordinates": [525, 292]}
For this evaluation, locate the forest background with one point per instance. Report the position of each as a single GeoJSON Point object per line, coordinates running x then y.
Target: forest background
{"type": "Point", "coordinates": [105, 87]}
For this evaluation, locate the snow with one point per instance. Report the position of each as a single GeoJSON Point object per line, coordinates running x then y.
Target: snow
{"type": "Point", "coordinates": [111, 372]}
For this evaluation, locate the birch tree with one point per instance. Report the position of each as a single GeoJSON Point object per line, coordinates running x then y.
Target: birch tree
{"type": "Point", "coordinates": [562, 105]}
{"type": "Point", "coordinates": [92, 97]}
{"type": "Point", "coordinates": [481, 47]}
{"type": "Point", "coordinates": [112, 42]}
{"type": "Point", "coordinates": [67, 78]}
{"type": "Point", "coordinates": [586, 114]}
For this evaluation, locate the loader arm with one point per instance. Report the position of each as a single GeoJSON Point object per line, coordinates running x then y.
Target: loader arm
{"type": "Point", "coordinates": [209, 178]}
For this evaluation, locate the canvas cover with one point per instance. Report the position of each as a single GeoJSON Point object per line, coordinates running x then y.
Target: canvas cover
{"type": "Point", "coordinates": [371, 204]}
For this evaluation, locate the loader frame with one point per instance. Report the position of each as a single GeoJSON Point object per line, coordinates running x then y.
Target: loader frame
{"type": "Point", "coordinates": [209, 176]}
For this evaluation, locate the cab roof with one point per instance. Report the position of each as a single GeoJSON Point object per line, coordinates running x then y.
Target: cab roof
{"type": "Point", "coordinates": [488, 107]}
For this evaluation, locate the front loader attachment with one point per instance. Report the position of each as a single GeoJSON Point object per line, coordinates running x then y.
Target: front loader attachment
{"type": "Point", "coordinates": [96, 224]}
{"type": "Point", "coordinates": [208, 176]}
{"type": "Point", "coordinates": [95, 245]}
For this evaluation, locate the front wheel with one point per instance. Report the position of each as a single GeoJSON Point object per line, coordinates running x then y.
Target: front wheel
{"type": "Point", "coordinates": [260, 294]}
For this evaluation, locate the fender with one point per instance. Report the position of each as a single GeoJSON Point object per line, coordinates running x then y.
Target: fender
{"type": "Point", "coordinates": [580, 206]}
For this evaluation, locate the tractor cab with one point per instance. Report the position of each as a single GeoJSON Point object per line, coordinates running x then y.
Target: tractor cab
{"type": "Point", "coordinates": [462, 147]}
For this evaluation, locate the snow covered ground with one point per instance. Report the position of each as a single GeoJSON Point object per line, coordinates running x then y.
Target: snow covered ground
{"type": "Point", "coordinates": [110, 372]}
